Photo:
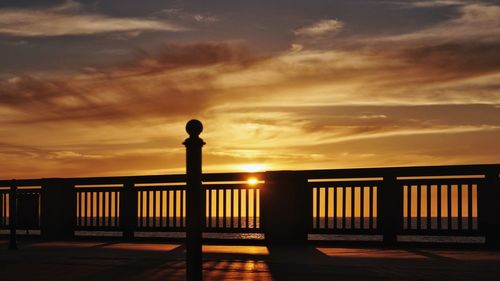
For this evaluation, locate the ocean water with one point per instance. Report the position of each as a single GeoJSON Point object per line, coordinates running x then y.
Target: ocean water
{"type": "Point", "coordinates": [249, 232]}
{"type": "Point", "coordinates": [413, 222]}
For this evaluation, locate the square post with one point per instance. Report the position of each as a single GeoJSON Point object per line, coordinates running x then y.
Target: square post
{"type": "Point", "coordinates": [128, 210]}
{"type": "Point", "coordinates": [489, 208]}
{"type": "Point", "coordinates": [286, 207]}
{"type": "Point", "coordinates": [58, 216]}
{"type": "Point", "coordinates": [13, 216]}
{"type": "Point", "coordinates": [390, 209]}
{"type": "Point", "coordinates": [194, 201]}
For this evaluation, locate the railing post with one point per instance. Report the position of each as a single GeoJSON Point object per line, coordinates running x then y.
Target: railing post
{"type": "Point", "coordinates": [13, 216]}
{"type": "Point", "coordinates": [128, 210]}
{"type": "Point", "coordinates": [58, 216]}
{"type": "Point", "coordinates": [194, 206]}
{"type": "Point", "coordinates": [390, 208]}
{"type": "Point", "coordinates": [286, 207]}
{"type": "Point", "coordinates": [489, 208]}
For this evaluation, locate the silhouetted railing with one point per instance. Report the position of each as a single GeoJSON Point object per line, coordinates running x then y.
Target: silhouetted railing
{"type": "Point", "coordinates": [344, 207]}
{"type": "Point", "coordinates": [97, 208]}
{"type": "Point", "coordinates": [4, 208]}
{"type": "Point", "coordinates": [389, 202]}
{"type": "Point", "coordinates": [232, 208]}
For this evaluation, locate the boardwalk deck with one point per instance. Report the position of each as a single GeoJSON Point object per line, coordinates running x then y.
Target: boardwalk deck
{"type": "Point", "coordinates": [154, 261]}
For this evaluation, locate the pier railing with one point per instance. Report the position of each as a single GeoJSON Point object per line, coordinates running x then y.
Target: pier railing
{"type": "Point", "coordinates": [459, 200]}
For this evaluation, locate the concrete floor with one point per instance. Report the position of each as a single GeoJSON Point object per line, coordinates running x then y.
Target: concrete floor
{"type": "Point", "coordinates": [154, 261]}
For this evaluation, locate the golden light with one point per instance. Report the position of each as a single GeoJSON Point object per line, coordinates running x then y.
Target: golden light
{"type": "Point", "coordinates": [252, 168]}
{"type": "Point", "coordinates": [252, 181]}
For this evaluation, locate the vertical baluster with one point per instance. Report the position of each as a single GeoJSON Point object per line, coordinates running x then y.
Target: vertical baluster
{"type": "Point", "coordinates": [209, 207]}
{"type": "Point", "coordinates": [105, 208]}
{"type": "Point", "coordinates": [439, 215]}
{"type": "Point", "coordinates": [1, 209]}
{"type": "Point", "coordinates": [334, 207]}
{"type": "Point", "coordinates": [469, 207]}
{"type": "Point", "coordinates": [362, 207]}
{"type": "Point", "coordinates": [141, 208]}
{"type": "Point", "coordinates": [2, 215]}
{"type": "Point", "coordinates": [317, 206]}
{"type": "Point", "coordinates": [182, 209]}
{"type": "Point", "coordinates": [88, 196]}
{"type": "Point", "coordinates": [450, 215]}
{"type": "Point", "coordinates": [326, 206]}
{"type": "Point", "coordinates": [154, 208]}
{"type": "Point", "coordinates": [85, 208]}
{"type": "Point", "coordinates": [371, 190]}
{"type": "Point", "coordinates": [459, 206]}
{"type": "Point", "coordinates": [419, 206]}
{"type": "Point", "coordinates": [161, 208]}
{"type": "Point", "coordinates": [408, 206]}
{"type": "Point", "coordinates": [232, 208]}
{"type": "Point", "coordinates": [353, 205]}
{"type": "Point", "coordinates": [168, 207]}
{"type": "Point", "coordinates": [109, 207]}
{"type": "Point", "coordinates": [148, 199]}
{"type": "Point", "coordinates": [255, 208]}
{"type": "Point", "coordinates": [117, 203]}
{"type": "Point", "coordinates": [217, 208]}
{"type": "Point", "coordinates": [247, 207]}
{"type": "Point", "coordinates": [224, 215]}
{"type": "Point", "coordinates": [98, 207]}
{"type": "Point", "coordinates": [429, 206]}
{"type": "Point", "coordinates": [5, 209]}
{"type": "Point", "coordinates": [80, 208]}
{"type": "Point", "coordinates": [344, 189]}
{"type": "Point", "coordinates": [83, 211]}
{"type": "Point", "coordinates": [175, 207]}
{"type": "Point", "coordinates": [239, 208]}
{"type": "Point", "coordinates": [92, 208]}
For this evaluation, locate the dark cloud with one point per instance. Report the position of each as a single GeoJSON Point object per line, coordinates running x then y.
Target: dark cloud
{"type": "Point", "coordinates": [152, 85]}
{"type": "Point", "coordinates": [30, 3]}
{"type": "Point", "coordinates": [456, 59]}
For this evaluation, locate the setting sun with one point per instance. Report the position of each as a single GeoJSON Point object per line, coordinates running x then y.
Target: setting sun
{"type": "Point", "coordinates": [252, 181]}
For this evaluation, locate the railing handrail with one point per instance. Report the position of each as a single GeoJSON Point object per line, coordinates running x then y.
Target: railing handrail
{"type": "Point", "coordinates": [441, 170]}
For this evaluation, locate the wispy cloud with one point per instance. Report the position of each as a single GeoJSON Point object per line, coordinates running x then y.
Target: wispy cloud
{"type": "Point", "coordinates": [68, 19]}
{"type": "Point", "coordinates": [182, 14]}
{"type": "Point", "coordinates": [422, 97]}
{"type": "Point", "coordinates": [430, 3]}
{"type": "Point", "coordinates": [319, 28]}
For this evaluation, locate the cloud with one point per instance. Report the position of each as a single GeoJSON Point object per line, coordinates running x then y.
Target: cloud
{"type": "Point", "coordinates": [205, 18]}
{"type": "Point", "coordinates": [431, 3]}
{"type": "Point", "coordinates": [67, 19]}
{"type": "Point", "coordinates": [476, 21]}
{"type": "Point", "coordinates": [174, 82]}
{"type": "Point", "coordinates": [182, 14]}
{"type": "Point", "coordinates": [73, 155]}
{"type": "Point", "coordinates": [320, 28]}
{"type": "Point", "coordinates": [423, 97]}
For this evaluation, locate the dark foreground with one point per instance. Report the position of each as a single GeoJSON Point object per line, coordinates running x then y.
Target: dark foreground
{"type": "Point", "coordinates": [146, 261]}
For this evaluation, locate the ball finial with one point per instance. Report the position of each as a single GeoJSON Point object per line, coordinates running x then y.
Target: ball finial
{"type": "Point", "coordinates": [194, 127]}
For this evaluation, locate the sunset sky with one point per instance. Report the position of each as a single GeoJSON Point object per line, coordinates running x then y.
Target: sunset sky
{"type": "Point", "coordinates": [105, 87]}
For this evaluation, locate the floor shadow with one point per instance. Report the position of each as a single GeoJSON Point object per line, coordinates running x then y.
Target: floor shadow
{"type": "Point", "coordinates": [147, 265]}
{"type": "Point", "coordinates": [306, 262]}
{"type": "Point", "coordinates": [103, 245]}
{"type": "Point", "coordinates": [430, 255]}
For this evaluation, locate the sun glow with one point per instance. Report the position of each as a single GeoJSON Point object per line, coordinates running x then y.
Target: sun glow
{"type": "Point", "coordinates": [253, 168]}
{"type": "Point", "coordinates": [252, 181]}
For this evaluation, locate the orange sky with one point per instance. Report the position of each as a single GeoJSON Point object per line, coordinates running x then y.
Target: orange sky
{"type": "Point", "coordinates": [322, 87]}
